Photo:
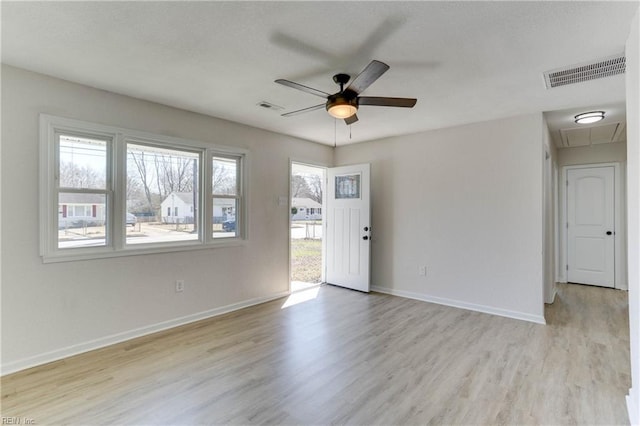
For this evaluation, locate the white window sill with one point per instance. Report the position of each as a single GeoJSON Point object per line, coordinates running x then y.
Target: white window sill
{"type": "Point", "coordinates": [71, 255]}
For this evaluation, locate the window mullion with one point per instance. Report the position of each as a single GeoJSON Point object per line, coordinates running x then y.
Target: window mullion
{"type": "Point", "coordinates": [207, 199]}
{"type": "Point", "coordinates": [118, 200]}
{"type": "Point", "coordinates": [242, 197]}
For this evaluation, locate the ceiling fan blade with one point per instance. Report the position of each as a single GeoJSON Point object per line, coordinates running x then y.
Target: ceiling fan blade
{"type": "Point", "coordinates": [302, 111]}
{"type": "Point", "coordinates": [351, 120]}
{"type": "Point", "coordinates": [303, 88]}
{"type": "Point", "coordinates": [390, 102]}
{"type": "Point", "coordinates": [371, 73]}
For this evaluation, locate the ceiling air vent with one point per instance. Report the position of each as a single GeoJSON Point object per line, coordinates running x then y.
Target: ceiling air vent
{"type": "Point", "coordinates": [585, 72]}
{"type": "Point", "coordinates": [269, 105]}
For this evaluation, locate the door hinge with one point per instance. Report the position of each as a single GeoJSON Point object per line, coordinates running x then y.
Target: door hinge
{"type": "Point", "coordinates": [567, 225]}
{"type": "Point", "coordinates": [567, 267]}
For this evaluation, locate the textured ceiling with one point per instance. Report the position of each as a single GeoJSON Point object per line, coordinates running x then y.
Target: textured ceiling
{"type": "Point", "coordinates": [464, 61]}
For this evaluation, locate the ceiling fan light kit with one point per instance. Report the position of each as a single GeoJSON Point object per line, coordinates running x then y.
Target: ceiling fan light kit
{"type": "Point", "coordinates": [340, 106]}
{"type": "Point", "coordinates": [589, 117]}
{"type": "Point", "coordinates": [344, 104]}
{"type": "Point", "coordinates": [342, 110]}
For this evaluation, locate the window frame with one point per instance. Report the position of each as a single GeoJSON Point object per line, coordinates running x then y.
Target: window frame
{"type": "Point", "coordinates": [107, 191]}
{"type": "Point", "coordinates": [116, 172]}
{"type": "Point", "coordinates": [239, 214]}
{"type": "Point", "coordinates": [157, 142]}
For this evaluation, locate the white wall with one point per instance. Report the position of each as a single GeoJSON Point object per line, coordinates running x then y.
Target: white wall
{"type": "Point", "coordinates": [633, 211]}
{"type": "Point", "coordinates": [465, 202]}
{"type": "Point", "coordinates": [549, 212]}
{"type": "Point", "coordinates": [50, 311]}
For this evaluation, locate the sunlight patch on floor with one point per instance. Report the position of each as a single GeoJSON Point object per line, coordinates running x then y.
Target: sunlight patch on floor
{"type": "Point", "coordinates": [301, 297]}
{"type": "Point", "coordinates": [300, 285]}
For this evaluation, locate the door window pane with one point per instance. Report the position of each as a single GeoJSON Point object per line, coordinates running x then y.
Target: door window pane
{"type": "Point", "coordinates": [347, 186]}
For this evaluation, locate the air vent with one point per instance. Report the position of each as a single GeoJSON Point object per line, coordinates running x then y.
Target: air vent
{"type": "Point", "coordinates": [269, 105]}
{"type": "Point", "coordinates": [585, 72]}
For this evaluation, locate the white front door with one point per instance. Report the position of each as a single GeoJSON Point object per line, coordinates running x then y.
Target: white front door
{"type": "Point", "coordinates": [591, 227]}
{"type": "Point", "coordinates": [348, 227]}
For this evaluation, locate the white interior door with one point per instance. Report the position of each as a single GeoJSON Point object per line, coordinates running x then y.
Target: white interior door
{"type": "Point", "coordinates": [348, 223]}
{"type": "Point", "coordinates": [591, 227]}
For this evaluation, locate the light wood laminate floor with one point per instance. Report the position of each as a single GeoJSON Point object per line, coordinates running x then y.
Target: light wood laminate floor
{"type": "Point", "coordinates": [345, 357]}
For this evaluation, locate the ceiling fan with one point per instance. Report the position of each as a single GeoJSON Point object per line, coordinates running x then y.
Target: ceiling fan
{"type": "Point", "coordinates": [345, 103]}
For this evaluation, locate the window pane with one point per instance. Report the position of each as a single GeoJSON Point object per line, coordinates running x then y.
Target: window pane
{"type": "Point", "coordinates": [224, 217]}
{"type": "Point", "coordinates": [82, 162]}
{"type": "Point", "coordinates": [347, 186]}
{"type": "Point", "coordinates": [225, 176]}
{"type": "Point", "coordinates": [162, 188]}
{"type": "Point", "coordinates": [81, 220]}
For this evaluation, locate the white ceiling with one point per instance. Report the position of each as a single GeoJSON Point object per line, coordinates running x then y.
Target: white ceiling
{"type": "Point", "coordinates": [464, 61]}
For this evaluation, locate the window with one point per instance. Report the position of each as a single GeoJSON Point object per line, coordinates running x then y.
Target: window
{"type": "Point", "coordinates": [164, 176]}
{"type": "Point", "coordinates": [95, 178]}
{"type": "Point", "coordinates": [81, 189]}
{"type": "Point", "coordinates": [226, 195]}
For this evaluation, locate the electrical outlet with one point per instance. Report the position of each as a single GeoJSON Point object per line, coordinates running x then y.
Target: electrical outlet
{"type": "Point", "coordinates": [179, 286]}
{"type": "Point", "coordinates": [422, 270]}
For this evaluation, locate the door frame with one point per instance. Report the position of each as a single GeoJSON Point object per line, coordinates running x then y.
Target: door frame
{"type": "Point", "coordinates": [620, 255]}
{"type": "Point", "coordinates": [293, 161]}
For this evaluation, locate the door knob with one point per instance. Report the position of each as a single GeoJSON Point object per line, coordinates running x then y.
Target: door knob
{"type": "Point", "coordinates": [366, 228]}
{"type": "Point", "coordinates": [609, 232]}
{"type": "Point", "coordinates": [365, 237]}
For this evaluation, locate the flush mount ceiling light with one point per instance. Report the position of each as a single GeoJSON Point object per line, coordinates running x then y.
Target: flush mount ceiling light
{"type": "Point", "coordinates": [589, 117]}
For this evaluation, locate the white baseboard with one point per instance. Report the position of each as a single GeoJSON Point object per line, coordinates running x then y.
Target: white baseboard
{"type": "Point", "coordinates": [539, 319]}
{"type": "Point", "coordinates": [79, 348]}
{"type": "Point", "coordinates": [633, 407]}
